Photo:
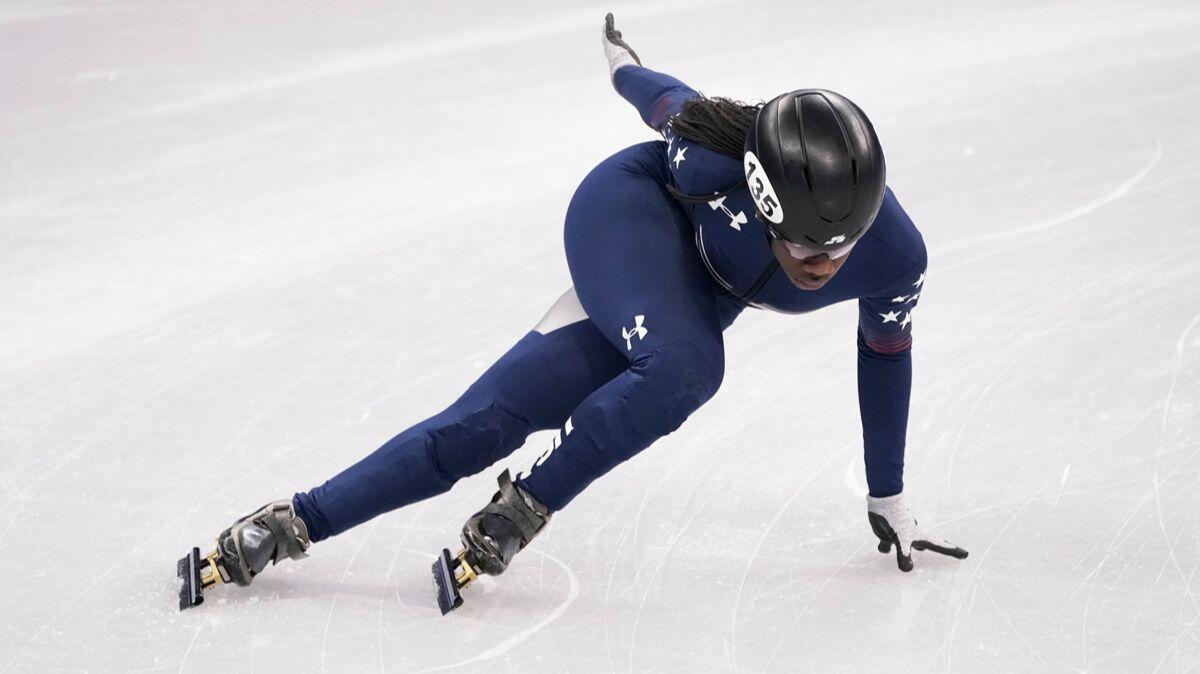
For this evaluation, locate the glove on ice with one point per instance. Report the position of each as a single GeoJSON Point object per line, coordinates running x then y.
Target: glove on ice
{"type": "Point", "coordinates": [893, 524]}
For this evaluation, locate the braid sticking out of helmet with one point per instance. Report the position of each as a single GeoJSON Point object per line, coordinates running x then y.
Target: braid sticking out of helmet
{"type": "Point", "coordinates": [719, 124]}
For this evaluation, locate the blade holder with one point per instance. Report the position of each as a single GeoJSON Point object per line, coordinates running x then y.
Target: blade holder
{"type": "Point", "coordinates": [450, 575]}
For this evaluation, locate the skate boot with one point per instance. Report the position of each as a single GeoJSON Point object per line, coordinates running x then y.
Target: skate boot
{"type": "Point", "coordinates": [269, 534]}
{"type": "Point", "coordinates": [491, 538]}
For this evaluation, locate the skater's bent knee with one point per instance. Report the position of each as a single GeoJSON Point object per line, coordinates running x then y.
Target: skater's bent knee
{"type": "Point", "coordinates": [679, 378]}
{"type": "Point", "coordinates": [695, 368]}
{"type": "Point", "coordinates": [476, 440]}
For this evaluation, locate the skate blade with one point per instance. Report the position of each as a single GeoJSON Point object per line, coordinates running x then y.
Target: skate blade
{"type": "Point", "coordinates": [450, 575]}
{"type": "Point", "coordinates": [197, 575]}
{"type": "Point", "coordinates": [188, 569]}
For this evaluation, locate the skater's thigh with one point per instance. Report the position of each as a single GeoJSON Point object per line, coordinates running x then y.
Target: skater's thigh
{"type": "Point", "coordinates": [631, 255]}
{"type": "Point", "coordinates": [545, 375]}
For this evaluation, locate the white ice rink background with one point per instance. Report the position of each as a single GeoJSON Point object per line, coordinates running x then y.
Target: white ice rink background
{"type": "Point", "coordinates": [243, 244]}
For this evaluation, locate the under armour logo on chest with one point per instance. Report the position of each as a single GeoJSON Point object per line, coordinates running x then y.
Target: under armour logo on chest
{"type": "Point", "coordinates": [735, 220]}
{"type": "Point", "coordinates": [638, 330]}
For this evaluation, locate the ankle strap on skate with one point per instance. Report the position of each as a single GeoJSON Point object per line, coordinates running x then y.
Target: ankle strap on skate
{"type": "Point", "coordinates": [291, 534]}
{"type": "Point", "coordinates": [519, 507]}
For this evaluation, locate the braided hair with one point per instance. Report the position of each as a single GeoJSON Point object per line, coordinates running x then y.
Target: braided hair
{"type": "Point", "coordinates": [719, 124]}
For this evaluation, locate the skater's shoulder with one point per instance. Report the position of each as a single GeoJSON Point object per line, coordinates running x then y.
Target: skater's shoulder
{"type": "Point", "coordinates": [892, 253]}
{"type": "Point", "coordinates": [699, 170]}
{"type": "Point", "coordinates": [896, 236]}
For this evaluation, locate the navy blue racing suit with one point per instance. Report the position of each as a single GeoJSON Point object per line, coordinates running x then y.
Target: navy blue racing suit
{"type": "Point", "coordinates": [664, 253]}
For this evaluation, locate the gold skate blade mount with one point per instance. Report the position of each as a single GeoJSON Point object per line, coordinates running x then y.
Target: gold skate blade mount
{"type": "Point", "coordinates": [450, 575]}
{"type": "Point", "coordinates": [197, 575]}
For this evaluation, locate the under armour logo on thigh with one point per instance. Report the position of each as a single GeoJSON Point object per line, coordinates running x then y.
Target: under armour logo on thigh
{"type": "Point", "coordinates": [638, 330]}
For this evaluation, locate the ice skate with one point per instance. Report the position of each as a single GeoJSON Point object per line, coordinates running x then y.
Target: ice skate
{"type": "Point", "coordinates": [271, 533]}
{"type": "Point", "coordinates": [491, 538]}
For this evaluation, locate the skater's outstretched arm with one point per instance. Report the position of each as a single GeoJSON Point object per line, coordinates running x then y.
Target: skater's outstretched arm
{"type": "Point", "coordinates": [655, 95]}
{"type": "Point", "coordinates": [885, 380]}
{"type": "Point", "coordinates": [884, 387]}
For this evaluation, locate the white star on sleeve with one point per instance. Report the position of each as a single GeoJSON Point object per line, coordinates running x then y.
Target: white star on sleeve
{"type": "Point", "coordinates": [679, 158]}
{"type": "Point", "coordinates": [907, 319]}
{"type": "Point", "coordinates": [899, 299]}
{"type": "Point", "coordinates": [920, 281]}
{"type": "Point", "coordinates": [890, 317]}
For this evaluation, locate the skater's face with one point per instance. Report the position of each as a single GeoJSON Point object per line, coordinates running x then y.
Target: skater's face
{"type": "Point", "coordinates": [809, 273]}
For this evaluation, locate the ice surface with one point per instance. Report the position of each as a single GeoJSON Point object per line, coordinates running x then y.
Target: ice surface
{"type": "Point", "coordinates": [243, 244]}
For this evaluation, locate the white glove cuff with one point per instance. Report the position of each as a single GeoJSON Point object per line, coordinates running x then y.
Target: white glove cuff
{"type": "Point", "coordinates": [892, 508]}
{"type": "Point", "coordinates": [618, 57]}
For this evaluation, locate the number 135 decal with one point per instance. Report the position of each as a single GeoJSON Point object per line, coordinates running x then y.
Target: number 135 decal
{"type": "Point", "coordinates": [761, 190]}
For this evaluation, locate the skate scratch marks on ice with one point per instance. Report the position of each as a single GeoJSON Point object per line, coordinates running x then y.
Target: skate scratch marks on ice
{"type": "Point", "coordinates": [258, 606]}
{"type": "Point", "coordinates": [1017, 349]}
{"type": "Point", "coordinates": [853, 482]}
{"type": "Point", "coordinates": [807, 605]}
{"type": "Point", "coordinates": [416, 614]}
{"type": "Point", "coordinates": [203, 492]}
{"type": "Point", "coordinates": [1087, 208]}
{"type": "Point", "coordinates": [960, 616]}
{"type": "Point", "coordinates": [1091, 579]}
{"type": "Point", "coordinates": [85, 592]}
{"type": "Point", "coordinates": [520, 637]}
{"type": "Point", "coordinates": [1162, 438]}
{"type": "Point", "coordinates": [666, 555]}
{"type": "Point", "coordinates": [345, 574]}
{"type": "Point", "coordinates": [68, 453]}
{"type": "Point", "coordinates": [758, 547]}
{"type": "Point", "coordinates": [1024, 639]}
{"type": "Point", "coordinates": [1062, 486]}
{"type": "Point", "coordinates": [1179, 343]}
{"type": "Point", "coordinates": [701, 440]}
{"type": "Point", "coordinates": [1016, 359]}
{"type": "Point", "coordinates": [387, 579]}
{"type": "Point", "coordinates": [192, 642]}
{"type": "Point", "coordinates": [365, 60]}
{"type": "Point", "coordinates": [631, 527]}
{"type": "Point", "coordinates": [977, 571]}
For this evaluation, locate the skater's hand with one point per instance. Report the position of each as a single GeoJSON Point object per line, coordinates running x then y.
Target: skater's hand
{"type": "Point", "coordinates": [618, 52]}
{"type": "Point", "coordinates": [894, 525]}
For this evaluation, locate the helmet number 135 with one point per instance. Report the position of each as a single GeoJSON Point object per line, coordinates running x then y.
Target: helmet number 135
{"type": "Point", "coordinates": [761, 190]}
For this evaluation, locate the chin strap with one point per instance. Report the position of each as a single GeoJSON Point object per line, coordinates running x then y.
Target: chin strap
{"type": "Point", "coordinates": [700, 199]}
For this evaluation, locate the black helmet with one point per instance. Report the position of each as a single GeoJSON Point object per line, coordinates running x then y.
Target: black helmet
{"type": "Point", "coordinates": [815, 168]}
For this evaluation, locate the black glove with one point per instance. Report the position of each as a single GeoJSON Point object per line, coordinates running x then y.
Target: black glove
{"type": "Point", "coordinates": [894, 525]}
{"type": "Point", "coordinates": [615, 49]}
